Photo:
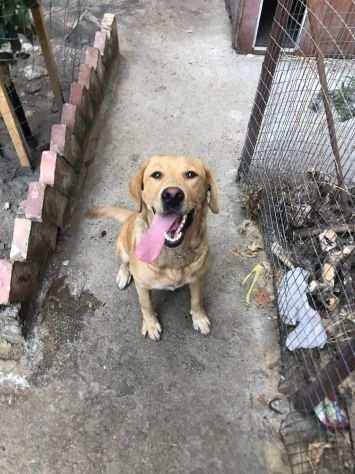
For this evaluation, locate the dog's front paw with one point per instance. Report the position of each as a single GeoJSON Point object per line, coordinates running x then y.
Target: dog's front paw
{"type": "Point", "coordinates": [152, 328]}
{"type": "Point", "coordinates": [124, 277]}
{"type": "Point", "coordinates": [201, 323]}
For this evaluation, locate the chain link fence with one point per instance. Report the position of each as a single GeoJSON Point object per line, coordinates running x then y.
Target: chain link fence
{"type": "Point", "coordinates": [298, 173]}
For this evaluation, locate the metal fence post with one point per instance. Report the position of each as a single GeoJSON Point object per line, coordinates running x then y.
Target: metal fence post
{"type": "Point", "coordinates": [277, 36]}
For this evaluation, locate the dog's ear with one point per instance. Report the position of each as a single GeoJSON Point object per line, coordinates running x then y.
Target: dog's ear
{"type": "Point", "coordinates": [136, 185]}
{"type": "Point", "coordinates": [213, 201]}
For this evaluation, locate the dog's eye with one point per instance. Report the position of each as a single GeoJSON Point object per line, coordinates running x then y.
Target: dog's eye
{"type": "Point", "coordinates": [156, 175]}
{"type": "Point", "coordinates": [190, 174]}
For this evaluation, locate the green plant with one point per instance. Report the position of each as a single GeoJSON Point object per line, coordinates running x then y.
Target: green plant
{"type": "Point", "coordinates": [344, 98]}
{"type": "Point", "coordinates": [15, 19]}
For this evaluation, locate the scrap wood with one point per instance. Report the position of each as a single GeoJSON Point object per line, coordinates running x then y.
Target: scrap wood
{"type": "Point", "coordinates": [10, 118]}
{"type": "Point", "coordinates": [335, 257]}
{"type": "Point", "coordinates": [328, 240]}
{"type": "Point", "coordinates": [281, 254]}
{"type": "Point", "coordinates": [251, 203]}
{"type": "Point", "coordinates": [328, 275]}
{"type": "Point", "coordinates": [245, 226]}
{"type": "Point", "coordinates": [252, 242]}
{"type": "Point", "coordinates": [308, 396]}
{"type": "Point", "coordinates": [311, 232]}
{"type": "Point", "coordinates": [251, 251]}
{"type": "Point", "coordinates": [314, 453]}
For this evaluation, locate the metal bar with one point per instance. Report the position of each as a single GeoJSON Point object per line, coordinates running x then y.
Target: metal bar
{"type": "Point", "coordinates": [51, 64]}
{"type": "Point", "coordinates": [277, 36]}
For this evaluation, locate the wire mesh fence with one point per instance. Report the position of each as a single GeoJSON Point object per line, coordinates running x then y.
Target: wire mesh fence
{"type": "Point", "coordinates": [71, 26]}
{"type": "Point", "coordinates": [298, 170]}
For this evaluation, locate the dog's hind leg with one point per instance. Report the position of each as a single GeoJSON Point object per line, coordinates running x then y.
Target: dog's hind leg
{"type": "Point", "coordinates": [124, 277]}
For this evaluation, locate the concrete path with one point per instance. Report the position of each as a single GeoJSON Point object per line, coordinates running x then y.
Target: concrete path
{"type": "Point", "coordinates": [103, 399]}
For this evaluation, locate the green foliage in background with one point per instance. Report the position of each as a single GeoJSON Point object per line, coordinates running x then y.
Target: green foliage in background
{"type": "Point", "coordinates": [15, 19]}
{"type": "Point", "coordinates": [344, 98]}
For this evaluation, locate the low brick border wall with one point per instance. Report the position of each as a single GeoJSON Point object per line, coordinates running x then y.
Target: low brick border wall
{"type": "Point", "coordinates": [46, 205]}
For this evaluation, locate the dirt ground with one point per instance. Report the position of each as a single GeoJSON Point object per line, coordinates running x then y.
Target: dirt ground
{"type": "Point", "coordinates": [100, 398]}
{"type": "Point", "coordinates": [69, 37]}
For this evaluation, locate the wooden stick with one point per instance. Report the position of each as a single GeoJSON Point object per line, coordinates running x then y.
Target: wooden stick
{"type": "Point", "coordinates": [8, 113]}
{"type": "Point", "coordinates": [312, 232]}
{"type": "Point", "coordinates": [309, 396]}
{"type": "Point", "coordinates": [38, 19]}
{"type": "Point", "coordinates": [325, 93]}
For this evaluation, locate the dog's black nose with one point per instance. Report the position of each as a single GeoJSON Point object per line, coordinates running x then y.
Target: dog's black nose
{"type": "Point", "coordinates": [172, 198]}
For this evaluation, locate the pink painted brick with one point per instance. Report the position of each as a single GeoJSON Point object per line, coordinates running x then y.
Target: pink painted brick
{"type": "Point", "coordinates": [32, 241]}
{"type": "Point", "coordinates": [77, 92]}
{"type": "Point", "coordinates": [109, 25]}
{"type": "Point", "coordinates": [88, 77]}
{"type": "Point", "coordinates": [72, 119]}
{"type": "Point", "coordinates": [101, 42]}
{"type": "Point", "coordinates": [34, 203]}
{"type": "Point", "coordinates": [94, 60]}
{"type": "Point", "coordinates": [56, 172]}
{"type": "Point", "coordinates": [80, 97]}
{"type": "Point", "coordinates": [17, 282]}
{"type": "Point", "coordinates": [45, 204]}
{"type": "Point", "coordinates": [65, 144]}
{"type": "Point", "coordinates": [92, 56]}
{"type": "Point", "coordinates": [20, 239]}
{"type": "Point", "coordinates": [5, 281]}
{"type": "Point", "coordinates": [69, 115]}
{"type": "Point", "coordinates": [85, 75]}
{"type": "Point", "coordinates": [59, 138]}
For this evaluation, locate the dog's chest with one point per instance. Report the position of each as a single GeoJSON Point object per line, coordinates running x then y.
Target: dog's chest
{"type": "Point", "coordinates": [170, 280]}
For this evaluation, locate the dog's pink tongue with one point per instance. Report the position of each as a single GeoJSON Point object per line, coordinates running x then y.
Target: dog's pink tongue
{"type": "Point", "coordinates": [150, 246]}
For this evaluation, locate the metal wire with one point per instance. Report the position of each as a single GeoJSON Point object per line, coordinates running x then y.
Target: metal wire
{"type": "Point", "coordinates": [300, 120]}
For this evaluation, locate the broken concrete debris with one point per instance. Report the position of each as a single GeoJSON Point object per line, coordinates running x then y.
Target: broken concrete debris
{"type": "Point", "coordinates": [11, 338]}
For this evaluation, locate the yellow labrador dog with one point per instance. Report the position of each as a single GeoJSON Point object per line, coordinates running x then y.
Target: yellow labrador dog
{"type": "Point", "coordinates": [164, 245]}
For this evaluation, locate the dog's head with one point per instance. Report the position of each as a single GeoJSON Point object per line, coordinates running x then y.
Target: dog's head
{"type": "Point", "coordinates": [174, 186]}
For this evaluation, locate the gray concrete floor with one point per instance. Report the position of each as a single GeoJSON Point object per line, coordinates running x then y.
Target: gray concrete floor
{"type": "Point", "coordinates": [101, 398]}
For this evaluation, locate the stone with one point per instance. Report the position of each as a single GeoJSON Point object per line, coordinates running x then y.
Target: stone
{"type": "Point", "coordinates": [32, 72]}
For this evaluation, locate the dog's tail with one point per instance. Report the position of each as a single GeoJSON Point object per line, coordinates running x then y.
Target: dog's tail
{"type": "Point", "coordinates": [120, 214]}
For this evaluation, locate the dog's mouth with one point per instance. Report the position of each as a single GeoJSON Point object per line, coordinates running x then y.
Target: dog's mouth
{"type": "Point", "coordinates": [176, 233]}
{"type": "Point", "coordinates": [165, 230]}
